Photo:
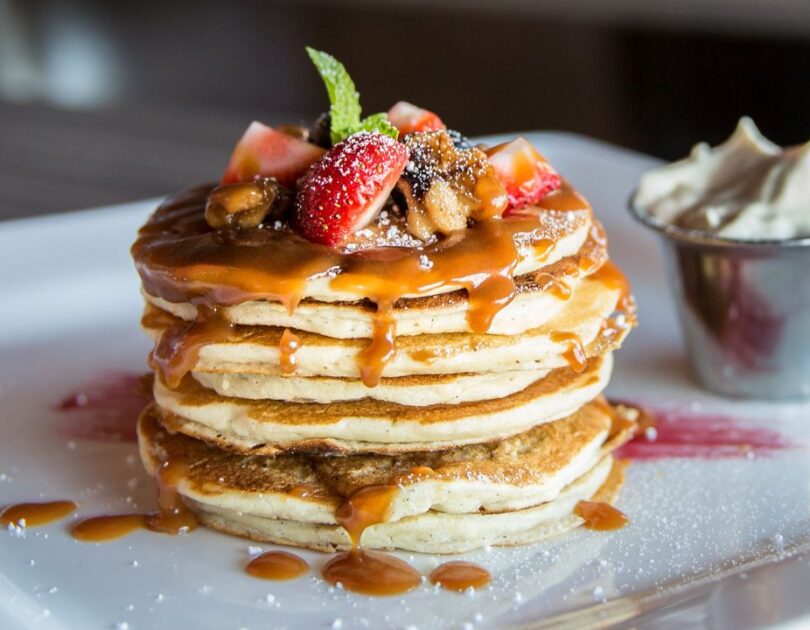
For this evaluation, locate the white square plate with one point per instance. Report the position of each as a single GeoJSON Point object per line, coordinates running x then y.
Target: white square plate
{"type": "Point", "coordinates": [69, 314]}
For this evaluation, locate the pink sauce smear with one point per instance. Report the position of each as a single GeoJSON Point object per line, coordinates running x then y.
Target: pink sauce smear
{"type": "Point", "coordinates": [104, 410]}
{"type": "Point", "coordinates": [682, 433]}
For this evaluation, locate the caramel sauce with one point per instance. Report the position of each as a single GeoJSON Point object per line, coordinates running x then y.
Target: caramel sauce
{"type": "Point", "coordinates": [108, 527]}
{"type": "Point", "coordinates": [172, 517]}
{"type": "Point", "coordinates": [180, 259]}
{"type": "Point", "coordinates": [600, 516]}
{"type": "Point", "coordinates": [374, 357]}
{"type": "Point", "coordinates": [425, 356]}
{"type": "Point", "coordinates": [613, 278]}
{"type": "Point", "coordinates": [575, 353]}
{"type": "Point", "coordinates": [368, 572]}
{"type": "Point", "coordinates": [565, 199]}
{"type": "Point", "coordinates": [613, 326]}
{"type": "Point", "coordinates": [287, 348]}
{"type": "Point", "coordinates": [363, 508]}
{"type": "Point", "coordinates": [371, 573]}
{"type": "Point", "coordinates": [557, 286]}
{"type": "Point", "coordinates": [35, 514]}
{"type": "Point", "coordinates": [619, 422]}
{"type": "Point", "coordinates": [460, 575]}
{"type": "Point", "coordinates": [277, 565]}
{"type": "Point", "coordinates": [543, 248]}
{"type": "Point", "coordinates": [302, 492]}
{"type": "Point", "coordinates": [179, 346]}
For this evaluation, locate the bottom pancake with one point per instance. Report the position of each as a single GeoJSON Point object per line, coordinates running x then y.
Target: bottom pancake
{"type": "Point", "coordinates": [516, 491]}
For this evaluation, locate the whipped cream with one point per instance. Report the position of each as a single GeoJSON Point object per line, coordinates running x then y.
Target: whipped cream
{"type": "Point", "coordinates": [747, 188]}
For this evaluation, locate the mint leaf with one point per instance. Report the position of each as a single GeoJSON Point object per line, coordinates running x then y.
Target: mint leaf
{"type": "Point", "coordinates": [344, 109]}
{"type": "Point", "coordinates": [344, 101]}
{"type": "Point", "coordinates": [380, 124]}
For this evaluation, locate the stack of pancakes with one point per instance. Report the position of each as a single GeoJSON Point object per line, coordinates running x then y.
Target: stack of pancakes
{"type": "Point", "coordinates": [491, 433]}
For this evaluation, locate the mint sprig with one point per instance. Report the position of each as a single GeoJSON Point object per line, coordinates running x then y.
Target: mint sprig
{"type": "Point", "coordinates": [344, 101]}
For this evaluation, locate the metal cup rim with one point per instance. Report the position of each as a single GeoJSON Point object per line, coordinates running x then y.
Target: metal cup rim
{"type": "Point", "coordinates": [701, 237]}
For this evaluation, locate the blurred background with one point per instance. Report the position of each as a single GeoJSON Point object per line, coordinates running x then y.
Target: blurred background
{"type": "Point", "coordinates": [102, 102]}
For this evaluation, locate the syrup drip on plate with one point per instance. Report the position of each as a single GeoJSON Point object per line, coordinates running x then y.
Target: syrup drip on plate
{"type": "Point", "coordinates": [460, 575]}
{"type": "Point", "coordinates": [35, 514]}
{"type": "Point", "coordinates": [371, 573]}
{"type": "Point", "coordinates": [277, 565]}
{"type": "Point", "coordinates": [107, 527]}
{"type": "Point", "coordinates": [368, 572]}
{"type": "Point", "coordinates": [600, 516]}
{"type": "Point", "coordinates": [172, 517]}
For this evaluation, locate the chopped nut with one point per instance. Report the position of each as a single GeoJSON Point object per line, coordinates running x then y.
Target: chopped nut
{"type": "Point", "coordinates": [447, 183]}
{"type": "Point", "coordinates": [246, 205]}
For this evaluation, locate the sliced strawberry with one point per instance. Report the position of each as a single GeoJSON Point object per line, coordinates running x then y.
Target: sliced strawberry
{"type": "Point", "coordinates": [408, 118]}
{"type": "Point", "coordinates": [345, 190]}
{"type": "Point", "coordinates": [525, 174]}
{"type": "Point", "coordinates": [270, 153]}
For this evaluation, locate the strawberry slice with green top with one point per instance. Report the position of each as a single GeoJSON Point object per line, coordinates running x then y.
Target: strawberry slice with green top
{"type": "Point", "coordinates": [409, 118]}
{"type": "Point", "coordinates": [344, 191]}
{"type": "Point", "coordinates": [525, 174]}
{"type": "Point", "coordinates": [266, 152]}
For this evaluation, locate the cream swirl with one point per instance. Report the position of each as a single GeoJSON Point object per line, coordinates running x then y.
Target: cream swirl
{"type": "Point", "coordinates": [747, 188]}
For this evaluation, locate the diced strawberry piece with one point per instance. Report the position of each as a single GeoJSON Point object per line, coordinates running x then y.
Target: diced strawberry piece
{"type": "Point", "coordinates": [525, 174]}
{"type": "Point", "coordinates": [409, 118]}
{"type": "Point", "coordinates": [345, 190]}
{"type": "Point", "coordinates": [269, 153]}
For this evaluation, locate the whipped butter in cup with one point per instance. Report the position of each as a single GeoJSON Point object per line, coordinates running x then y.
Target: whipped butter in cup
{"type": "Point", "coordinates": [735, 223]}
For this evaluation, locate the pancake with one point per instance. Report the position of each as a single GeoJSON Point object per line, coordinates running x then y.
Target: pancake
{"type": "Point", "coordinates": [538, 297]}
{"type": "Point", "coordinates": [272, 498]}
{"type": "Point", "coordinates": [433, 532]}
{"type": "Point", "coordinates": [419, 390]}
{"type": "Point", "coordinates": [367, 425]}
{"type": "Point", "coordinates": [255, 349]}
{"type": "Point", "coordinates": [177, 238]}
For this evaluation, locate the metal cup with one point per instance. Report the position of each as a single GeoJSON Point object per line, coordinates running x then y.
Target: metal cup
{"type": "Point", "coordinates": [744, 308]}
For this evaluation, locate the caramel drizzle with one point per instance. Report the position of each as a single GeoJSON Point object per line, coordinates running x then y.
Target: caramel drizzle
{"type": "Point", "coordinates": [600, 516]}
{"type": "Point", "coordinates": [459, 576]}
{"type": "Point", "coordinates": [287, 347]}
{"type": "Point", "coordinates": [613, 278]}
{"type": "Point", "coordinates": [181, 260]}
{"type": "Point", "coordinates": [575, 353]}
{"type": "Point", "coordinates": [35, 514]}
{"type": "Point", "coordinates": [107, 527]}
{"type": "Point", "coordinates": [172, 516]}
{"type": "Point", "coordinates": [277, 565]}
{"type": "Point", "coordinates": [362, 571]}
{"type": "Point", "coordinates": [178, 348]}
{"type": "Point", "coordinates": [363, 508]}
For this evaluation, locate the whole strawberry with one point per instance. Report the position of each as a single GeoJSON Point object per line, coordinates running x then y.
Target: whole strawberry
{"type": "Point", "coordinates": [343, 191]}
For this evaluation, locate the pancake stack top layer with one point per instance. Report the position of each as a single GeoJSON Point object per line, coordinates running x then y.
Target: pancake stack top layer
{"type": "Point", "coordinates": [438, 316]}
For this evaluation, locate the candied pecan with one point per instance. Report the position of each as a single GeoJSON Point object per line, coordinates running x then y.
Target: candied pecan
{"type": "Point", "coordinates": [247, 204]}
{"type": "Point", "coordinates": [447, 183]}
